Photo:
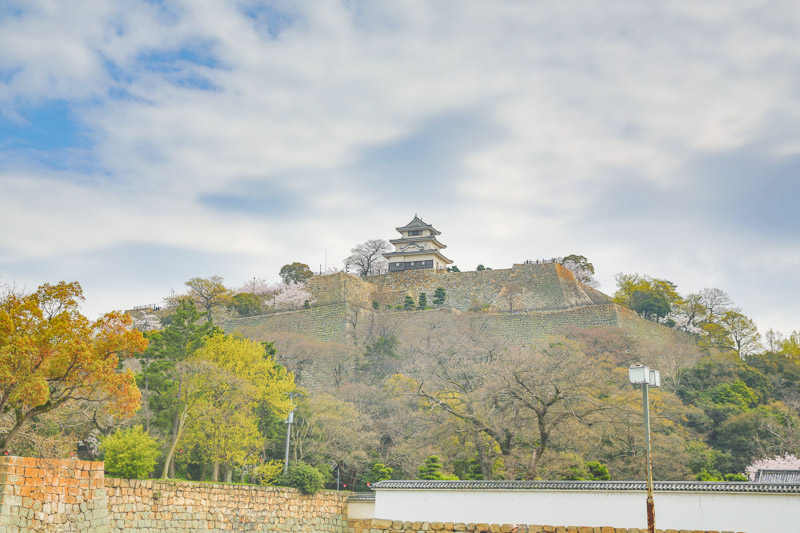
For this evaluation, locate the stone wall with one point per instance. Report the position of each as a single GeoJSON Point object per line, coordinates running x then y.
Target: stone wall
{"type": "Point", "coordinates": [56, 495]}
{"type": "Point", "coordinates": [543, 287]}
{"type": "Point", "coordinates": [164, 506]}
{"type": "Point", "coordinates": [551, 299]}
{"type": "Point", "coordinates": [325, 323]}
{"type": "Point", "coordinates": [48, 495]}
{"type": "Point", "coordinates": [527, 327]}
{"type": "Point", "coordinates": [377, 526]}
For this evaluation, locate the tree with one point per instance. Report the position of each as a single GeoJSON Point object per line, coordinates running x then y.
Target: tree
{"type": "Point", "coordinates": [439, 296]}
{"type": "Point", "coordinates": [453, 268]}
{"type": "Point", "coordinates": [650, 304]}
{"type": "Point", "coordinates": [779, 462]}
{"type": "Point", "coordinates": [367, 258]}
{"type": "Point", "coordinates": [581, 268]}
{"type": "Point", "coordinates": [130, 453]}
{"type": "Point", "coordinates": [292, 296]}
{"type": "Point", "coordinates": [408, 303]}
{"type": "Point", "coordinates": [743, 332]}
{"type": "Point", "coordinates": [232, 434]}
{"type": "Point", "coordinates": [208, 292]}
{"type": "Point", "coordinates": [50, 355]}
{"type": "Point", "coordinates": [510, 295]}
{"type": "Point", "coordinates": [423, 301]}
{"type": "Point", "coordinates": [245, 304]}
{"type": "Point", "coordinates": [295, 273]}
{"type": "Point", "coordinates": [653, 293]}
{"type": "Point", "coordinates": [480, 268]}
{"type": "Point", "coordinates": [432, 469]}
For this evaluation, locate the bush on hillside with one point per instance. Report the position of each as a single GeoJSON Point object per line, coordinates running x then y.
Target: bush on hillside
{"type": "Point", "coordinates": [304, 477]}
{"type": "Point", "coordinates": [130, 453]}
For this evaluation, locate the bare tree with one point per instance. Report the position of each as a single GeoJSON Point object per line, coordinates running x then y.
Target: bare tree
{"type": "Point", "coordinates": [510, 295]}
{"type": "Point", "coordinates": [367, 258]}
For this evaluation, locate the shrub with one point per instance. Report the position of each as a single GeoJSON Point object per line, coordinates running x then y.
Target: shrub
{"type": "Point", "coordinates": [304, 477]}
{"type": "Point", "coordinates": [130, 453]}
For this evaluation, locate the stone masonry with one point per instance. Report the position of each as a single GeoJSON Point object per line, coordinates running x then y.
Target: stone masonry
{"type": "Point", "coordinates": [50, 495]}
{"type": "Point", "coordinates": [549, 299]}
{"type": "Point", "coordinates": [155, 506]}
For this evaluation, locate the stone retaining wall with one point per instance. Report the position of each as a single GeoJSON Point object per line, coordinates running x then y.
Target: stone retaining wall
{"type": "Point", "coordinates": [152, 506]}
{"type": "Point", "coordinates": [51, 495]}
{"type": "Point", "coordinates": [389, 526]}
{"type": "Point", "coordinates": [60, 496]}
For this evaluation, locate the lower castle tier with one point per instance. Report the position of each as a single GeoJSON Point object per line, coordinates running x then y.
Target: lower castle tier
{"type": "Point", "coordinates": [524, 303]}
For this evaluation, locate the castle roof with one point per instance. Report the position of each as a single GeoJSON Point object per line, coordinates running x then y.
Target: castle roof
{"type": "Point", "coordinates": [426, 251]}
{"type": "Point", "coordinates": [418, 223]}
{"type": "Point", "coordinates": [431, 239]}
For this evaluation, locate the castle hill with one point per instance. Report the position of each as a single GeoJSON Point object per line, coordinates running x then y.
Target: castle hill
{"type": "Point", "coordinates": [308, 397]}
{"type": "Point", "coordinates": [345, 266]}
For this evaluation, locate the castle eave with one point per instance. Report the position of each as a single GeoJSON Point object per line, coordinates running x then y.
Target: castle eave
{"type": "Point", "coordinates": [418, 252]}
{"type": "Point", "coordinates": [408, 240]}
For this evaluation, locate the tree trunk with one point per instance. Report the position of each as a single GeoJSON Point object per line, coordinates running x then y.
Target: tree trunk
{"type": "Point", "coordinates": [215, 472]}
{"type": "Point", "coordinates": [228, 473]}
{"type": "Point", "coordinates": [204, 472]}
{"type": "Point", "coordinates": [169, 468]}
{"type": "Point", "coordinates": [5, 442]}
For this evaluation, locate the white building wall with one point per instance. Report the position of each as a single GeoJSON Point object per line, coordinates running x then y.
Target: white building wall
{"type": "Point", "coordinates": [749, 512]}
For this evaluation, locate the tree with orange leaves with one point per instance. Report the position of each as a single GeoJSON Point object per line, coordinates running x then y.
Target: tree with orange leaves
{"type": "Point", "coordinates": [50, 354]}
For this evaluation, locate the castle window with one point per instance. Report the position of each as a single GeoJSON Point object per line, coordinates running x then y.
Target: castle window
{"type": "Point", "coordinates": [415, 232]}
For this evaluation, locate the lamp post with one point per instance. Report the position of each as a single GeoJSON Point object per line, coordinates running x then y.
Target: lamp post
{"type": "Point", "coordinates": [289, 432]}
{"type": "Point", "coordinates": [639, 374]}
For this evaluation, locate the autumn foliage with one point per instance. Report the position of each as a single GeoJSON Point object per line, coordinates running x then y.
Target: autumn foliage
{"type": "Point", "coordinates": [50, 354]}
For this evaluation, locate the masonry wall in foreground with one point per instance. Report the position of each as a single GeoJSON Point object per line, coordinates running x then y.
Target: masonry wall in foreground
{"type": "Point", "coordinates": [165, 506]}
{"type": "Point", "coordinates": [45, 495]}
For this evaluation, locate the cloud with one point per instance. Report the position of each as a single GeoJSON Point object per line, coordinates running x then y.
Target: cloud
{"type": "Point", "coordinates": [658, 138]}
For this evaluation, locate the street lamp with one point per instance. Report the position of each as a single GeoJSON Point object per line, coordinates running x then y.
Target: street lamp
{"type": "Point", "coordinates": [289, 431]}
{"type": "Point", "coordinates": [639, 374]}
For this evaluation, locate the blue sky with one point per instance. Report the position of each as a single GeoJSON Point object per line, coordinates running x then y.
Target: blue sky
{"type": "Point", "coordinates": [146, 142]}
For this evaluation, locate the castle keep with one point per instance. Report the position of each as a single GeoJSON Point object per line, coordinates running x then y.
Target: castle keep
{"type": "Point", "coordinates": [417, 249]}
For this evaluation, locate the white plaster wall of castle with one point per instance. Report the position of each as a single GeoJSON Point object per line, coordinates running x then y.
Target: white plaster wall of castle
{"type": "Point", "coordinates": [750, 512]}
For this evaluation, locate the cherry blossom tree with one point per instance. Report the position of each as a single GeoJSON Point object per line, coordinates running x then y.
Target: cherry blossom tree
{"type": "Point", "coordinates": [779, 462]}
{"type": "Point", "coordinates": [291, 296]}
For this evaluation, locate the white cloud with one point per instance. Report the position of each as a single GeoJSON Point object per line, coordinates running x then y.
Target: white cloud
{"type": "Point", "coordinates": [584, 103]}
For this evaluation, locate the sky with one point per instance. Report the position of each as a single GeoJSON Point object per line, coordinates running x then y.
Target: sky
{"type": "Point", "coordinates": [144, 142]}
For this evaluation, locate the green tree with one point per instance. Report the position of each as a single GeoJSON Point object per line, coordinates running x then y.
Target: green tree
{"type": "Point", "coordinates": [130, 453]}
{"type": "Point", "coordinates": [245, 304]}
{"type": "Point", "coordinates": [480, 267]}
{"type": "Point", "coordinates": [650, 304]}
{"type": "Point", "coordinates": [208, 292]}
{"type": "Point", "coordinates": [423, 301]}
{"type": "Point", "coordinates": [295, 273]}
{"type": "Point", "coordinates": [432, 469]}
{"type": "Point", "coordinates": [653, 293]}
{"type": "Point", "coordinates": [439, 296]}
{"type": "Point", "coordinates": [453, 268]}
{"type": "Point", "coordinates": [408, 303]}
{"type": "Point", "coordinates": [304, 477]}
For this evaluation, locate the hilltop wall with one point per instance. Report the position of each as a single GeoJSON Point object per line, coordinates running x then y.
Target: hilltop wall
{"type": "Point", "coordinates": [525, 328]}
{"type": "Point", "coordinates": [546, 286]}
{"type": "Point", "coordinates": [325, 323]}
{"type": "Point", "coordinates": [550, 299]}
